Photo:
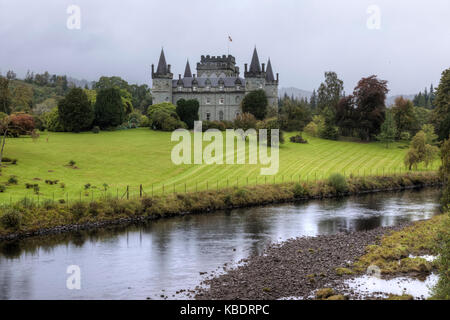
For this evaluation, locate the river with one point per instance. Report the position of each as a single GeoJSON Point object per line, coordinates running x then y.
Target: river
{"type": "Point", "coordinates": [162, 257]}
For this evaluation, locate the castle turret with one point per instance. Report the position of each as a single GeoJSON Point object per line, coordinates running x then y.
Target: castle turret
{"type": "Point", "coordinates": [254, 76]}
{"type": "Point", "coordinates": [271, 87]}
{"type": "Point", "coordinates": [162, 81]}
{"type": "Point", "coordinates": [187, 71]}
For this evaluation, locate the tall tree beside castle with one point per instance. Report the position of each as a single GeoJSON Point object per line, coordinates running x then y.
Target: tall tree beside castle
{"type": "Point", "coordinates": [217, 85]}
{"type": "Point", "coordinates": [441, 114]}
{"type": "Point", "coordinates": [330, 91]}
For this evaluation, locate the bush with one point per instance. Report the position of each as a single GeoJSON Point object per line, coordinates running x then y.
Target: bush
{"type": "Point", "coordinates": [78, 210]}
{"type": "Point", "coordinates": [2, 188]}
{"type": "Point", "coordinates": [297, 139]}
{"type": "Point", "coordinates": [163, 116]}
{"type": "Point", "coordinates": [11, 219]}
{"type": "Point", "coordinates": [21, 124]}
{"type": "Point", "coordinates": [96, 129]}
{"type": "Point", "coordinates": [311, 129]}
{"type": "Point", "coordinates": [52, 121]}
{"type": "Point", "coordinates": [144, 122]}
{"type": "Point", "coordinates": [299, 191]}
{"type": "Point", "coordinates": [405, 136]}
{"type": "Point", "coordinates": [245, 121]}
{"type": "Point", "coordinates": [338, 182]}
{"type": "Point", "coordinates": [13, 180]}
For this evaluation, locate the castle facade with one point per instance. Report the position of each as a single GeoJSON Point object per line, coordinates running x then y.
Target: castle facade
{"type": "Point", "coordinates": [217, 85]}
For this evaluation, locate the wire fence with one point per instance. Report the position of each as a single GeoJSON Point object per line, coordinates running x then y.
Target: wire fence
{"type": "Point", "coordinates": [130, 192]}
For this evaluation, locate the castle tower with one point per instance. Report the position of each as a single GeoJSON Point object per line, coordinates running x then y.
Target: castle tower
{"type": "Point", "coordinates": [255, 76]}
{"type": "Point", "coordinates": [271, 87]}
{"type": "Point", "coordinates": [187, 70]}
{"type": "Point", "coordinates": [162, 81]}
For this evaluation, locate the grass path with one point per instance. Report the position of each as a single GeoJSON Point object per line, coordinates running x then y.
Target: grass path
{"type": "Point", "coordinates": [142, 156]}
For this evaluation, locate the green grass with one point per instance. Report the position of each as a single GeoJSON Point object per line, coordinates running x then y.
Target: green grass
{"type": "Point", "coordinates": [142, 156]}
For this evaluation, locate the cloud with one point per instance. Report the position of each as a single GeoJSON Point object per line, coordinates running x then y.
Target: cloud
{"type": "Point", "coordinates": [302, 38]}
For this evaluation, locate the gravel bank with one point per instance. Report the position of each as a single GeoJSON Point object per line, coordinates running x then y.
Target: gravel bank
{"type": "Point", "coordinates": [294, 268]}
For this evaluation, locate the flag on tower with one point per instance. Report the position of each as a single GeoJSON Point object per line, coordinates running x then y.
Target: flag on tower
{"type": "Point", "coordinates": [229, 38]}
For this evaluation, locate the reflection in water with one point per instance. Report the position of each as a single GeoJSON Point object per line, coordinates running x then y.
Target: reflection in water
{"type": "Point", "coordinates": [140, 261]}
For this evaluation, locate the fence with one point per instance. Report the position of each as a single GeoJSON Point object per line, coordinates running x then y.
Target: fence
{"type": "Point", "coordinates": [186, 186]}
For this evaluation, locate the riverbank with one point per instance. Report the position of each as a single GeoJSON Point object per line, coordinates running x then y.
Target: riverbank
{"type": "Point", "coordinates": [25, 219]}
{"type": "Point", "coordinates": [299, 267]}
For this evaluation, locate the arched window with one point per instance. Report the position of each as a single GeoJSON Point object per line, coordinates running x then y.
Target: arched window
{"type": "Point", "coordinates": [221, 115]}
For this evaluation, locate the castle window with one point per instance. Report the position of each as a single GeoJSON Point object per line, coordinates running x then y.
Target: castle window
{"type": "Point", "coordinates": [208, 116]}
{"type": "Point", "coordinates": [222, 101]}
{"type": "Point", "coordinates": [237, 113]}
{"type": "Point", "coordinates": [180, 88]}
{"type": "Point", "coordinates": [238, 87]}
{"type": "Point", "coordinates": [260, 85]}
{"type": "Point", "coordinates": [208, 100]}
{"type": "Point", "coordinates": [221, 87]}
{"type": "Point", "coordinates": [194, 88]}
{"type": "Point", "coordinates": [221, 115]}
{"type": "Point", "coordinates": [167, 98]}
{"type": "Point", "coordinates": [237, 100]}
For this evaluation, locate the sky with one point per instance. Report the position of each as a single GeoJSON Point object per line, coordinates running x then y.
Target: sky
{"type": "Point", "coordinates": [404, 42]}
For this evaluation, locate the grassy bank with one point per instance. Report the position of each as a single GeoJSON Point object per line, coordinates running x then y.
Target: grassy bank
{"type": "Point", "coordinates": [399, 253]}
{"type": "Point", "coordinates": [143, 157]}
{"type": "Point", "coordinates": [25, 218]}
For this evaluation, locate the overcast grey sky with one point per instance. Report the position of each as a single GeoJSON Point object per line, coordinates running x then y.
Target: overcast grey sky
{"type": "Point", "coordinates": [303, 38]}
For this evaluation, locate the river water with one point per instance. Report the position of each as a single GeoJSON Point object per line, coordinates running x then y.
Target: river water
{"type": "Point", "coordinates": [162, 257]}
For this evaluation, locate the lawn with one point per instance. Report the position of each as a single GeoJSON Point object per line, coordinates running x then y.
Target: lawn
{"type": "Point", "coordinates": [141, 156]}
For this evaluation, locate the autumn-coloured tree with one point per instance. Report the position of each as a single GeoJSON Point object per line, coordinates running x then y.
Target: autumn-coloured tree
{"type": "Point", "coordinates": [370, 95]}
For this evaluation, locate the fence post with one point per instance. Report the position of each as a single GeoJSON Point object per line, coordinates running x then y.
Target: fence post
{"type": "Point", "coordinates": [140, 191]}
{"type": "Point", "coordinates": [128, 193]}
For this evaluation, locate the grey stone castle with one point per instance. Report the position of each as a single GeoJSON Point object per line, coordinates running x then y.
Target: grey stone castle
{"type": "Point", "coordinates": [217, 86]}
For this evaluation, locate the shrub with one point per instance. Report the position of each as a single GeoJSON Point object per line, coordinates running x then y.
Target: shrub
{"type": "Point", "coordinates": [21, 123]}
{"type": "Point", "coordinates": [71, 163]}
{"type": "Point", "coordinates": [78, 210]}
{"type": "Point", "coordinates": [2, 188]}
{"type": "Point", "coordinates": [299, 191]}
{"type": "Point", "coordinates": [13, 180]}
{"type": "Point", "coordinates": [338, 182]}
{"type": "Point", "coordinates": [405, 136]}
{"type": "Point", "coordinates": [297, 139]}
{"type": "Point", "coordinates": [245, 121]}
{"type": "Point", "coordinates": [11, 219]}
{"type": "Point", "coordinates": [311, 129]}
{"type": "Point", "coordinates": [144, 122]}
{"type": "Point", "coordinates": [96, 129]}
{"type": "Point", "coordinates": [163, 116]}
{"type": "Point", "coordinates": [36, 189]}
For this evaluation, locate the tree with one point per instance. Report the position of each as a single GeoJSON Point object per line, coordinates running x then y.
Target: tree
{"type": "Point", "coordinates": [441, 113]}
{"type": "Point", "coordinates": [370, 95]}
{"type": "Point", "coordinates": [163, 116]}
{"type": "Point", "coordinates": [5, 95]}
{"type": "Point", "coordinates": [75, 111]}
{"type": "Point", "coordinates": [404, 116]}
{"type": "Point", "coordinates": [313, 101]}
{"type": "Point", "coordinates": [11, 75]}
{"type": "Point", "coordinates": [294, 115]}
{"type": "Point", "coordinates": [329, 130]}
{"type": "Point", "coordinates": [330, 91]}
{"type": "Point", "coordinates": [109, 109]}
{"type": "Point", "coordinates": [22, 98]}
{"type": "Point", "coordinates": [346, 115]}
{"type": "Point", "coordinates": [420, 151]}
{"type": "Point", "coordinates": [187, 110]}
{"type": "Point", "coordinates": [445, 173]}
{"type": "Point", "coordinates": [388, 130]}
{"type": "Point", "coordinates": [255, 103]}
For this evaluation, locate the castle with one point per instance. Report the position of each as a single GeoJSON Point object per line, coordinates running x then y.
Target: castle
{"type": "Point", "coordinates": [217, 85]}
